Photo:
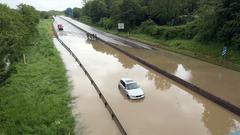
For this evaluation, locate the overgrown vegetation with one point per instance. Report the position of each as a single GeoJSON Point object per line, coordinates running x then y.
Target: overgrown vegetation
{"type": "Point", "coordinates": [209, 24]}
{"type": "Point", "coordinates": [48, 14]}
{"type": "Point", "coordinates": [35, 99]}
{"type": "Point", "coordinates": [17, 29]}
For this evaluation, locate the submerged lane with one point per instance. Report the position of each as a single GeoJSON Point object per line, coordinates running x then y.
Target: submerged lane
{"type": "Point", "coordinates": [91, 117]}
{"type": "Point", "coordinates": [217, 80]}
{"type": "Point", "coordinates": [168, 107]}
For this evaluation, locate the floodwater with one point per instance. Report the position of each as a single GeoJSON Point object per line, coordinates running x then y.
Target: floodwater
{"type": "Point", "coordinates": [217, 80]}
{"type": "Point", "coordinates": [167, 109]}
{"type": "Point", "coordinates": [91, 117]}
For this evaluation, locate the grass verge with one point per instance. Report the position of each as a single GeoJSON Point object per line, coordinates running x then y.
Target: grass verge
{"type": "Point", "coordinates": [36, 98]}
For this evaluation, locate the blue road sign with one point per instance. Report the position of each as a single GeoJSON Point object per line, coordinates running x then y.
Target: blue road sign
{"type": "Point", "coordinates": [224, 52]}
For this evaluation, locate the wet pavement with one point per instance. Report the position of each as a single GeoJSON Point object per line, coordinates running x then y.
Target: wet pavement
{"type": "Point", "coordinates": [217, 80]}
{"type": "Point", "coordinates": [168, 108]}
{"type": "Point", "coordinates": [91, 117]}
{"type": "Point", "coordinates": [109, 37]}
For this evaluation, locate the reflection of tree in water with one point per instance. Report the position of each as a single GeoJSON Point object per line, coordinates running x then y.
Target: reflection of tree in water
{"type": "Point", "coordinates": [217, 122]}
{"type": "Point", "coordinates": [159, 81]}
{"type": "Point", "coordinates": [124, 60]}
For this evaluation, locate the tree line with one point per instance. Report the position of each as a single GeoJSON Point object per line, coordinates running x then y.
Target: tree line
{"type": "Point", "coordinates": [204, 20]}
{"type": "Point", "coordinates": [17, 28]}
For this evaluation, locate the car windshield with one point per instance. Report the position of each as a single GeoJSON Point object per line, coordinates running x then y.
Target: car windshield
{"type": "Point", "coordinates": [131, 86]}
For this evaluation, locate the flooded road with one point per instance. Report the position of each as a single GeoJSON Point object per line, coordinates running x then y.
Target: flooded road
{"type": "Point", "coordinates": [168, 107]}
{"type": "Point", "coordinates": [217, 80]}
{"type": "Point", "coordinates": [91, 117]}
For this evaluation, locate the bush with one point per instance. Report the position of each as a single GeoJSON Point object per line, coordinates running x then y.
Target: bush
{"type": "Point", "coordinates": [187, 31]}
{"type": "Point", "coordinates": [149, 27]}
{"type": "Point", "coordinates": [44, 15]}
{"type": "Point", "coordinates": [85, 19]}
{"type": "Point", "coordinates": [16, 29]}
{"type": "Point", "coordinates": [106, 23]}
{"type": "Point", "coordinates": [170, 33]}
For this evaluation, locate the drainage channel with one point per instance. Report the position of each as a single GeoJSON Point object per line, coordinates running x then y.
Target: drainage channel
{"type": "Point", "coordinates": [113, 115]}
{"type": "Point", "coordinates": [221, 102]}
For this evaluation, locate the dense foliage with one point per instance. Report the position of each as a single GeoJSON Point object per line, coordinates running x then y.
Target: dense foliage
{"type": "Point", "coordinates": [35, 99]}
{"type": "Point", "coordinates": [215, 20]}
{"type": "Point", "coordinates": [48, 14]}
{"type": "Point", "coordinates": [16, 30]}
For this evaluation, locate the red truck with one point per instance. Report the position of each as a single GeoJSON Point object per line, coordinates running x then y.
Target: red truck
{"type": "Point", "coordinates": [60, 27]}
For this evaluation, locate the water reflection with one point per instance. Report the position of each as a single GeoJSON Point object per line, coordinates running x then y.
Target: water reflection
{"type": "Point", "coordinates": [126, 63]}
{"type": "Point", "coordinates": [160, 82]}
{"type": "Point", "coordinates": [182, 73]}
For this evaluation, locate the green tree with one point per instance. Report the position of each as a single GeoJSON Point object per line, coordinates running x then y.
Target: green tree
{"type": "Point", "coordinates": [16, 29]}
{"type": "Point", "coordinates": [228, 18]}
{"type": "Point", "coordinates": [131, 13]}
{"type": "Point", "coordinates": [115, 11]}
{"type": "Point", "coordinates": [207, 21]}
{"type": "Point", "coordinates": [162, 11]}
{"type": "Point", "coordinates": [95, 9]}
{"type": "Point", "coordinates": [76, 12]}
{"type": "Point", "coordinates": [13, 36]}
{"type": "Point", "coordinates": [30, 17]}
{"type": "Point", "coordinates": [44, 14]}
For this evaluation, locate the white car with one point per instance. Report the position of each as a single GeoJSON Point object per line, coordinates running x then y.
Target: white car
{"type": "Point", "coordinates": [131, 88]}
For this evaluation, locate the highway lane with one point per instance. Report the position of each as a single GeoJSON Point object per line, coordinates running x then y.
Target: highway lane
{"type": "Point", "coordinates": [91, 117]}
{"type": "Point", "coordinates": [168, 107]}
{"type": "Point", "coordinates": [217, 80]}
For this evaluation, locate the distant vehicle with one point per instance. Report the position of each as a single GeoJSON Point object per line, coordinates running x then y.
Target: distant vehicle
{"type": "Point", "coordinates": [131, 88]}
{"type": "Point", "coordinates": [60, 27]}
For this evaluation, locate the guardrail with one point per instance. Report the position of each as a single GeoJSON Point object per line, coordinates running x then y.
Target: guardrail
{"type": "Point", "coordinates": [221, 102]}
{"type": "Point", "coordinates": [110, 110]}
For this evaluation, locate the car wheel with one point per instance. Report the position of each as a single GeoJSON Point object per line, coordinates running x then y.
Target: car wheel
{"type": "Point", "coordinates": [128, 96]}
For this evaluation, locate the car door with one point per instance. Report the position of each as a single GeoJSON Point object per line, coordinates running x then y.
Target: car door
{"type": "Point", "coordinates": [123, 85]}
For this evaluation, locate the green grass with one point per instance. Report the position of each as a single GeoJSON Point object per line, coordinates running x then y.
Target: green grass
{"type": "Point", "coordinates": [35, 99]}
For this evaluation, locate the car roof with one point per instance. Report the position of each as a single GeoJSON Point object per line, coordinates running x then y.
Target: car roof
{"type": "Point", "coordinates": [128, 80]}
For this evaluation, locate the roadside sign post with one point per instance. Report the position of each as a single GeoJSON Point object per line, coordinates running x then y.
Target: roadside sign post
{"type": "Point", "coordinates": [224, 52]}
{"type": "Point", "coordinates": [120, 26]}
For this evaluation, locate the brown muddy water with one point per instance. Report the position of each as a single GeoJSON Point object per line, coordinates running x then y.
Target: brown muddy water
{"type": "Point", "coordinates": [91, 117]}
{"type": "Point", "coordinates": [167, 109]}
{"type": "Point", "coordinates": [217, 80]}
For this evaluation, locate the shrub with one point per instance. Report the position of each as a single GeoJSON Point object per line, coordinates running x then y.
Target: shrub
{"type": "Point", "coordinates": [149, 27]}
{"type": "Point", "coordinates": [188, 31]}
{"type": "Point", "coordinates": [16, 29]}
{"type": "Point", "coordinates": [85, 19]}
{"type": "Point", "coordinates": [107, 23]}
{"type": "Point", "coordinates": [44, 15]}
